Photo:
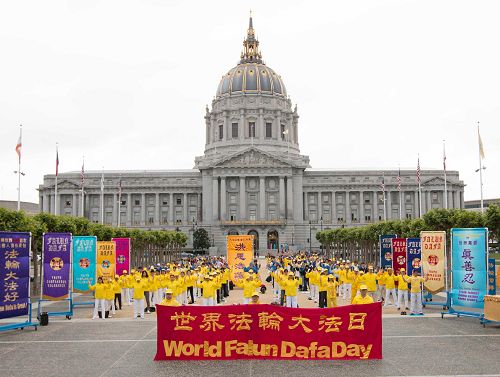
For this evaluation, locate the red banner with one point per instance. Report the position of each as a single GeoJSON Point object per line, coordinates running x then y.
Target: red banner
{"type": "Point", "coordinates": [269, 332]}
{"type": "Point", "coordinates": [398, 254]}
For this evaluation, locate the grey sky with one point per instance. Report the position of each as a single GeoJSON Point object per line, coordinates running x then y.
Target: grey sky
{"type": "Point", "coordinates": [125, 83]}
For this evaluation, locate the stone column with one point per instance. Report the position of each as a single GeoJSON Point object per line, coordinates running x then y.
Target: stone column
{"type": "Point", "coordinates": [361, 213]}
{"type": "Point", "coordinates": [129, 209]}
{"type": "Point", "coordinates": [450, 199]}
{"type": "Point", "coordinates": [157, 209]}
{"type": "Point", "coordinates": [243, 203]}
{"type": "Point", "coordinates": [114, 220]}
{"type": "Point", "coordinates": [226, 126]}
{"type": "Point", "coordinates": [388, 205]}
{"type": "Point", "coordinates": [457, 199]}
{"type": "Point", "coordinates": [45, 203]}
{"type": "Point", "coordinates": [306, 205]}
{"type": "Point", "coordinates": [261, 126]}
{"type": "Point", "coordinates": [223, 196]}
{"type": "Point", "coordinates": [347, 207]}
{"type": "Point", "coordinates": [282, 198]}
{"type": "Point", "coordinates": [200, 207]}
{"type": "Point", "coordinates": [262, 198]}
{"type": "Point", "coordinates": [319, 207]}
{"type": "Point", "coordinates": [215, 199]}
{"type": "Point", "coordinates": [375, 206]}
{"type": "Point", "coordinates": [241, 125]}
{"type": "Point", "coordinates": [143, 209]}
{"type": "Point", "coordinates": [415, 203]}
{"type": "Point", "coordinates": [74, 199]}
{"type": "Point", "coordinates": [429, 201]}
{"type": "Point", "coordinates": [289, 197]}
{"type": "Point", "coordinates": [278, 126]}
{"type": "Point", "coordinates": [185, 207]}
{"type": "Point", "coordinates": [298, 200]}
{"type": "Point", "coordinates": [333, 209]}
{"type": "Point", "coordinates": [171, 208]}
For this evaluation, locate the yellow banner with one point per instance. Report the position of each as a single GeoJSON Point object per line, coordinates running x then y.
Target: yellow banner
{"type": "Point", "coordinates": [239, 254]}
{"type": "Point", "coordinates": [106, 259]}
{"type": "Point", "coordinates": [433, 260]}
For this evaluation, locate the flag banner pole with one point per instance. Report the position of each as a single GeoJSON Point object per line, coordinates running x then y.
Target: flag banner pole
{"type": "Point", "coordinates": [445, 183]}
{"type": "Point", "coordinates": [481, 156]}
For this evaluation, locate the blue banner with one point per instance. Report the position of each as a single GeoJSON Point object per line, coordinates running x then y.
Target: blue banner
{"type": "Point", "coordinates": [14, 273]}
{"type": "Point", "coordinates": [492, 281]}
{"type": "Point", "coordinates": [468, 260]}
{"type": "Point", "coordinates": [414, 253]}
{"type": "Point", "coordinates": [84, 262]}
{"type": "Point", "coordinates": [386, 250]}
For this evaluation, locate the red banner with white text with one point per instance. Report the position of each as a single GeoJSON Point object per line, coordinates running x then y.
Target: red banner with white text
{"type": "Point", "coordinates": [269, 332]}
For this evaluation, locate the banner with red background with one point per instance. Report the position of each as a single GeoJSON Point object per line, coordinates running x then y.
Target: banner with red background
{"type": "Point", "coordinates": [268, 332]}
{"type": "Point", "coordinates": [398, 254]}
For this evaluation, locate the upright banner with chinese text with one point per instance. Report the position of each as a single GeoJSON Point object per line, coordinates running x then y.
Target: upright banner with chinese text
{"type": "Point", "coordinates": [106, 257]}
{"type": "Point", "coordinates": [269, 332]}
{"type": "Point", "coordinates": [84, 262]}
{"type": "Point", "coordinates": [122, 255]}
{"type": "Point", "coordinates": [492, 287]}
{"type": "Point", "coordinates": [14, 273]}
{"type": "Point", "coordinates": [56, 266]}
{"type": "Point", "coordinates": [398, 254]}
{"type": "Point", "coordinates": [414, 252]}
{"type": "Point", "coordinates": [433, 260]}
{"type": "Point", "coordinates": [239, 254]}
{"type": "Point", "coordinates": [386, 250]}
{"type": "Point", "coordinates": [469, 269]}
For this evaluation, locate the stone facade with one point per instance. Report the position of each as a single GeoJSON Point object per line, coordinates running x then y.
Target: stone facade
{"type": "Point", "coordinates": [252, 178]}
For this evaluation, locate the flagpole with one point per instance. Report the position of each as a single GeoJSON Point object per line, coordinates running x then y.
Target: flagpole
{"type": "Point", "coordinates": [419, 190]}
{"type": "Point", "coordinates": [55, 196]}
{"type": "Point", "coordinates": [399, 189]}
{"type": "Point", "coordinates": [119, 201]}
{"type": "Point", "coordinates": [83, 184]}
{"type": "Point", "coordinates": [383, 196]}
{"type": "Point", "coordinates": [445, 183]}
{"type": "Point", "coordinates": [480, 168]}
{"type": "Point", "coordinates": [19, 171]}
{"type": "Point", "coordinates": [102, 195]}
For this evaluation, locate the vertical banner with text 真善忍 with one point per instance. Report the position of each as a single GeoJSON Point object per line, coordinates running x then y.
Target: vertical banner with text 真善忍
{"type": "Point", "coordinates": [269, 332]}
{"type": "Point", "coordinates": [239, 254]}
{"type": "Point", "coordinates": [84, 262]}
{"type": "Point", "coordinates": [122, 255]}
{"type": "Point", "coordinates": [106, 256]}
{"type": "Point", "coordinates": [386, 250]}
{"type": "Point", "coordinates": [414, 254]}
{"type": "Point", "coordinates": [469, 270]}
{"type": "Point", "coordinates": [14, 273]}
{"type": "Point", "coordinates": [398, 254]}
{"type": "Point", "coordinates": [56, 266]}
{"type": "Point", "coordinates": [433, 245]}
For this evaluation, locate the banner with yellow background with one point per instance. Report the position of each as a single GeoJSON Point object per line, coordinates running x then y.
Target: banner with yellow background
{"type": "Point", "coordinates": [106, 259]}
{"type": "Point", "coordinates": [434, 260]}
{"type": "Point", "coordinates": [239, 254]}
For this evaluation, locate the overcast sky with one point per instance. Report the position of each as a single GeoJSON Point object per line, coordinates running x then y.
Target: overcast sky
{"type": "Point", "coordinates": [125, 83]}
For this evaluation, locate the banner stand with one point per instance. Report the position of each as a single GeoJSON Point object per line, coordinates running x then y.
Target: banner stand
{"type": "Point", "coordinates": [21, 325]}
{"type": "Point", "coordinates": [68, 313]}
{"type": "Point", "coordinates": [427, 300]}
{"type": "Point", "coordinates": [461, 313]}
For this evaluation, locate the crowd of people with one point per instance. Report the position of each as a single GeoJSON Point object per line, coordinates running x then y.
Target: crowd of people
{"type": "Point", "coordinates": [208, 281]}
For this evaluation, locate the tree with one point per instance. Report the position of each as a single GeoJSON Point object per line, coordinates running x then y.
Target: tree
{"type": "Point", "coordinates": [201, 240]}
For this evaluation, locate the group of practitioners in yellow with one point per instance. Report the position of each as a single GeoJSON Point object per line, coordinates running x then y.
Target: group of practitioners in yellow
{"type": "Point", "coordinates": [207, 281]}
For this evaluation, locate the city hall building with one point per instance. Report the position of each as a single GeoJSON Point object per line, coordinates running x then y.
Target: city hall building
{"type": "Point", "coordinates": [252, 178]}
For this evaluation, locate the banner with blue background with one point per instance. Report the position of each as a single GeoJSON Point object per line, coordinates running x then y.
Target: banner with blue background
{"type": "Point", "coordinates": [386, 250]}
{"type": "Point", "coordinates": [84, 262]}
{"type": "Point", "coordinates": [414, 253]}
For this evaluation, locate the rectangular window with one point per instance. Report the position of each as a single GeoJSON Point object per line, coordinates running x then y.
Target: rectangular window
{"type": "Point", "coordinates": [178, 201]}
{"type": "Point", "coordinates": [234, 130]}
{"type": "Point", "coordinates": [283, 132]}
{"type": "Point", "coordinates": [137, 202]}
{"type": "Point", "coordinates": [123, 202]}
{"type": "Point", "coordinates": [408, 198]}
{"type": "Point", "coordinates": [164, 202]}
{"type": "Point", "coordinates": [269, 130]}
{"type": "Point", "coordinates": [221, 131]}
{"type": "Point", "coordinates": [68, 203]}
{"type": "Point", "coordinates": [251, 129]}
{"type": "Point", "coordinates": [164, 217]}
{"type": "Point", "coordinates": [253, 214]}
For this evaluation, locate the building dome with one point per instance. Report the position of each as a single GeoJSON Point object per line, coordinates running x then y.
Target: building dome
{"type": "Point", "coordinates": [251, 78]}
{"type": "Point", "coordinates": [251, 75]}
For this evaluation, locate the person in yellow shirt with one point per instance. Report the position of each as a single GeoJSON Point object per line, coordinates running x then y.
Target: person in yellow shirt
{"type": "Point", "coordinates": [363, 297]}
{"type": "Point", "coordinates": [356, 281]}
{"type": "Point", "coordinates": [130, 286]}
{"type": "Point", "coordinates": [124, 288]}
{"type": "Point", "coordinates": [139, 286]}
{"type": "Point", "coordinates": [110, 296]}
{"type": "Point", "coordinates": [291, 286]}
{"type": "Point", "coordinates": [416, 292]}
{"type": "Point", "coordinates": [313, 277]}
{"type": "Point", "coordinates": [370, 280]}
{"type": "Point", "coordinates": [331, 291]}
{"type": "Point", "coordinates": [390, 287]}
{"type": "Point", "coordinates": [402, 290]}
{"type": "Point", "coordinates": [322, 288]}
{"type": "Point", "coordinates": [208, 290]}
{"type": "Point", "coordinates": [169, 299]}
{"type": "Point", "coordinates": [182, 298]}
{"type": "Point", "coordinates": [249, 286]}
{"type": "Point", "coordinates": [350, 276]}
{"type": "Point", "coordinates": [117, 289]}
{"type": "Point", "coordinates": [342, 272]}
{"type": "Point", "coordinates": [100, 297]}
{"type": "Point", "coordinates": [255, 298]}
{"type": "Point", "coordinates": [190, 280]}
{"type": "Point", "coordinates": [381, 274]}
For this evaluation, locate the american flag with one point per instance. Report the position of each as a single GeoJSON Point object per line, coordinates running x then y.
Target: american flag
{"type": "Point", "coordinates": [399, 180]}
{"type": "Point", "coordinates": [57, 162]}
{"type": "Point", "coordinates": [418, 170]}
{"type": "Point", "coordinates": [82, 175]}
